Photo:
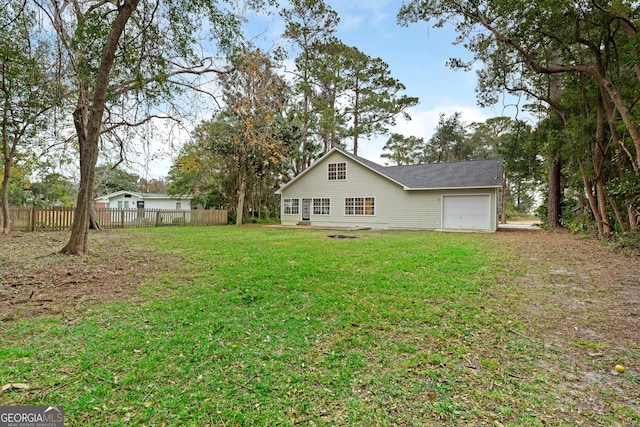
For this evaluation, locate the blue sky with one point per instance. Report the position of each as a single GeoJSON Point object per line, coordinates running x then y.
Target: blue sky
{"type": "Point", "coordinates": [416, 55]}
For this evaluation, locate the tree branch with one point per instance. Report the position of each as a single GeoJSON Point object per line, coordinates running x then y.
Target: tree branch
{"type": "Point", "coordinates": [197, 70]}
{"type": "Point", "coordinates": [125, 123]}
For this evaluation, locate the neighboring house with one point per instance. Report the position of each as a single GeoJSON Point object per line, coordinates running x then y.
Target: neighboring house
{"type": "Point", "coordinates": [135, 200]}
{"type": "Point", "coordinates": [342, 189]}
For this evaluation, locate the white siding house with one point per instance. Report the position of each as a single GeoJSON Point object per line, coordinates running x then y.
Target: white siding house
{"type": "Point", "coordinates": [345, 190]}
{"type": "Point", "coordinates": [134, 200]}
{"type": "Point", "coordinates": [130, 207]}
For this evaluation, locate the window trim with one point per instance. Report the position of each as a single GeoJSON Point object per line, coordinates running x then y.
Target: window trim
{"type": "Point", "coordinates": [352, 209]}
{"type": "Point", "coordinates": [321, 207]}
{"type": "Point", "coordinates": [294, 209]}
{"type": "Point", "coordinates": [337, 174]}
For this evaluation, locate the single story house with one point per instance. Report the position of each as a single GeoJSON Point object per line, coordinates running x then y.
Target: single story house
{"type": "Point", "coordinates": [344, 190]}
{"type": "Point", "coordinates": [134, 200]}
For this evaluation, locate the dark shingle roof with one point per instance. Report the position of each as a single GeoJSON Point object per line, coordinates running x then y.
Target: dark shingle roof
{"type": "Point", "coordinates": [473, 173]}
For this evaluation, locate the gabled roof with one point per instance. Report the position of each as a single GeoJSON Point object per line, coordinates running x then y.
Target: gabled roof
{"type": "Point", "coordinates": [431, 176]}
{"type": "Point", "coordinates": [144, 196]}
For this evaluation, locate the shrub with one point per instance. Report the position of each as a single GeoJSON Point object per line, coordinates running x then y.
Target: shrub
{"type": "Point", "coordinates": [626, 243]}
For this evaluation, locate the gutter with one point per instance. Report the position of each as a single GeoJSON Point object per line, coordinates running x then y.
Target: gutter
{"type": "Point", "coordinates": [451, 188]}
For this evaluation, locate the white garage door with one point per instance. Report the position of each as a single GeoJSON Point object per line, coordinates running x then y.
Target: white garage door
{"type": "Point", "coordinates": [466, 212]}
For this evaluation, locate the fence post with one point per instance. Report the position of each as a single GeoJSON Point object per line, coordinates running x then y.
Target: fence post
{"type": "Point", "coordinates": [121, 218]}
{"type": "Point", "coordinates": [158, 218]}
{"type": "Point", "coordinates": [32, 222]}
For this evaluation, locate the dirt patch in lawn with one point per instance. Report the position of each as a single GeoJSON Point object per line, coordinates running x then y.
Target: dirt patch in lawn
{"type": "Point", "coordinates": [582, 302]}
{"type": "Point", "coordinates": [36, 280]}
{"type": "Point", "coordinates": [576, 287]}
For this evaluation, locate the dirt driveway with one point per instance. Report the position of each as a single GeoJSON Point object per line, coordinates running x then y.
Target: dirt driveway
{"type": "Point", "coordinates": [582, 301]}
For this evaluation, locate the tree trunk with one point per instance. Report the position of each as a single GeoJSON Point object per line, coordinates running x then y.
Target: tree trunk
{"type": "Point", "coordinates": [598, 162]}
{"type": "Point", "coordinates": [305, 120]}
{"type": "Point", "coordinates": [88, 142]}
{"type": "Point", "coordinates": [356, 120]}
{"type": "Point", "coordinates": [634, 218]}
{"type": "Point", "coordinates": [601, 194]}
{"type": "Point", "coordinates": [624, 226]}
{"type": "Point", "coordinates": [554, 196]}
{"type": "Point", "coordinates": [305, 134]}
{"type": "Point", "coordinates": [87, 119]}
{"type": "Point", "coordinates": [593, 201]}
{"type": "Point", "coordinates": [6, 218]}
{"type": "Point", "coordinates": [503, 201]}
{"type": "Point", "coordinates": [333, 133]}
{"type": "Point", "coordinates": [93, 221]}
{"type": "Point", "coordinates": [626, 117]}
{"type": "Point", "coordinates": [8, 154]}
{"type": "Point", "coordinates": [242, 187]}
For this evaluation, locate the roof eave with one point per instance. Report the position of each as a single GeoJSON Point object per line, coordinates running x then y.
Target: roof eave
{"type": "Point", "coordinates": [167, 197]}
{"type": "Point", "coordinates": [355, 158]}
{"type": "Point", "coordinates": [472, 187]}
{"type": "Point", "coordinates": [295, 178]}
{"type": "Point", "coordinates": [145, 196]}
{"type": "Point", "coordinates": [346, 154]}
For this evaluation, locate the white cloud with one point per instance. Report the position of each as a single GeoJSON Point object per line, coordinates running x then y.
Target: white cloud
{"type": "Point", "coordinates": [423, 124]}
{"type": "Point", "coordinates": [363, 14]}
{"type": "Point", "coordinates": [350, 22]}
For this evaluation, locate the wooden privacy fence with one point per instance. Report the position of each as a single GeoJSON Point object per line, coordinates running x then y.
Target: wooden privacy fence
{"type": "Point", "coordinates": [56, 219]}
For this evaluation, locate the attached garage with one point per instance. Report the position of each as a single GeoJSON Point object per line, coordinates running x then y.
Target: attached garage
{"type": "Point", "coordinates": [466, 212]}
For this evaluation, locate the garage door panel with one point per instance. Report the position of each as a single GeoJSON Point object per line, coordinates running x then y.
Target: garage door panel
{"type": "Point", "coordinates": [471, 212]}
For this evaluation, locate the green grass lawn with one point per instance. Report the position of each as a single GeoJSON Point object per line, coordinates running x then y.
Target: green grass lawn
{"type": "Point", "coordinates": [271, 326]}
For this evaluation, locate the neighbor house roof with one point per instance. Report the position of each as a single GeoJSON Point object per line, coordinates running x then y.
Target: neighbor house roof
{"type": "Point", "coordinates": [144, 196]}
{"type": "Point", "coordinates": [430, 176]}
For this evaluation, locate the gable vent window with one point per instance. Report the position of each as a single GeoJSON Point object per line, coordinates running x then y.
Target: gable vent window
{"type": "Point", "coordinates": [337, 171]}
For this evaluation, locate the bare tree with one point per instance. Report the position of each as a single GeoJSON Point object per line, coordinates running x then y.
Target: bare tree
{"type": "Point", "coordinates": [27, 88]}
{"type": "Point", "coordinates": [128, 51]}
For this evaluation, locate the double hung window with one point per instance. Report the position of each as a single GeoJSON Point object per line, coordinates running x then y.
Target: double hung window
{"type": "Point", "coordinates": [291, 206]}
{"type": "Point", "coordinates": [322, 206]}
{"type": "Point", "coordinates": [360, 206]}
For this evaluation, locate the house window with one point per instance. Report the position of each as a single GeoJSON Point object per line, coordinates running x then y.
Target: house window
{"type": "Point", "coordinates": [360, 206]}
{"type": "Point", "coordinates": [322, 206]}
{"type": "Point", "coordinates": [119, 204]}
{"type": "Point", "coordinates": [291, 206]}
{"type": "Point", "coordinates": [126, 204]}
{"type": "Point", "coordinates": [337, 171]}
{"type": "Point", "coordinates": [178, 206]}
